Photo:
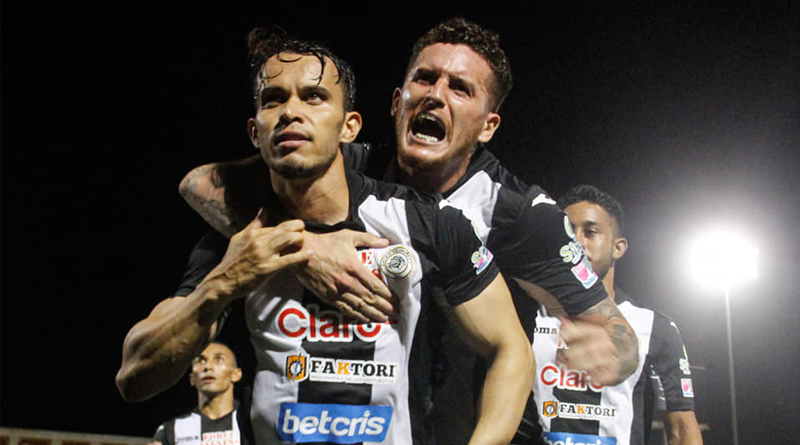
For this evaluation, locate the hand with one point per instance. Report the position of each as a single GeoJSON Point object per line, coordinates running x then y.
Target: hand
{"type": "Point", "coordinates": [256, 253]}
{"type": "Point", "coordinates": [335, 274]}
{"type": "Point", "coordinates": [590, 349]}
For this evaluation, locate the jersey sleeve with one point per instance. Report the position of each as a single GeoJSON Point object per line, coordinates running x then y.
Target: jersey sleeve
{"type": "Point", "coordinates": [669, 361]}
{"type": "Point", "coordinates": [466, 266]}
{"type": "Point", "coordinates": [534, 242]}
{"type": "Point", "coordinates": [161, 434]}
{"type": "Point", "coordinates": [207, 253]}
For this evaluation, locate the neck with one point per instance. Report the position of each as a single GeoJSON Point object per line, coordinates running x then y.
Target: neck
{"type": "Point", "coordinates": [608, 283]}
{"type": "Point", "coordinates": [215, 406]}
{"type": "Point", "coordinates": [432, 180]}
{"type": "Point", "coordinates": [324, 198]}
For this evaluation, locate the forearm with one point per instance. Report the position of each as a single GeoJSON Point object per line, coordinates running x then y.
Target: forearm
{"type": "Point", "coordinates": [158, 350]}
{"type": "Point", "coordinates": [626, 343]}
{"type": "Point", "coordinates": [682, 428]}
{"type": "Point", "coordinates": [505, 393]}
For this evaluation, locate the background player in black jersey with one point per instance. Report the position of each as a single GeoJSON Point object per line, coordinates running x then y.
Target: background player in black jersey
{"type": "Point", "coordinates": [213, 373]}
{"type": "Point", "coordinates": [304, 112]}
{"type": "Point", "coordinates": [446, 109]}
{"type": "Point", "coordinates": [598, 219]}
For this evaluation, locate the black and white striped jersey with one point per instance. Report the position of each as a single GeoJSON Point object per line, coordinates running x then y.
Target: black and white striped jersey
{"type": "Point", "coordinates": [195, 429]}
{"type": "Point", "coordinates": [323, 377]}
{"type": "Point", "coordinates": [575, 410]}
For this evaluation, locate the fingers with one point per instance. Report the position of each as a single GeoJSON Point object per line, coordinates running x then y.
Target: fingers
{"type": "Point", "coordinates": [366, 239]}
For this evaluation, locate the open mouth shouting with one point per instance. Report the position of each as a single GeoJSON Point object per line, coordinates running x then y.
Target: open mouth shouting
{"type": "Point", "coordinates": [428, 128]}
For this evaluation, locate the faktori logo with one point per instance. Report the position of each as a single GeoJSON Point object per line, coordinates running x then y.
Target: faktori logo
{"type": "Point", "coordinates": [329, 325]}
{"type": "Point", "coordinates": [321, 369]}
{"type": "Point", "coordinates": [550, 408]}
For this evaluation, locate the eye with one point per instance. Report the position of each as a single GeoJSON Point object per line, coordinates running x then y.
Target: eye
{"type": "Point", "coordinates": [424, 77]}
{"type": "Point", "coordinates": [270, 98]}
{"type": "Point", "coordinates": [460, 86]}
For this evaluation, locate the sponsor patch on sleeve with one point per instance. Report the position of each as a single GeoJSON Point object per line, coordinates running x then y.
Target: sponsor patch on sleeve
{"type": "Point", "coordinates": [686, 385]}
{"type": "Point", "coordinates": [584, 273]}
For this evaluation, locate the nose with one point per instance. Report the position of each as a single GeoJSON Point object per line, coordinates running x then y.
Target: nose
{"type": "Point", "coordinates": [289, 112]}
{"type": "Point", "coordinates": [436, 92]}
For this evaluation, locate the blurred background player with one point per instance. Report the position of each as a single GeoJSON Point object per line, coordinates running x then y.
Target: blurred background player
{"type": "Point", "coordinates": [572, 406]}
{"type": "Point", "coordinates": [214, 373]}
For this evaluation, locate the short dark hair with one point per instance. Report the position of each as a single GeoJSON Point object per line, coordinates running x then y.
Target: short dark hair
{"type": "Point", "coordinates": [266, 42]}
{"type": "Point", "coordinates": [594, 195]}
{"type": "Point", "coordinates": [459, 31]}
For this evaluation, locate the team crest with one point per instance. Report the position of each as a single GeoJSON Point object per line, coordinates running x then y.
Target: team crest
{"type": "Point", "coordinates": [550, 409]}
{"type": "Point", "coordinates": [297, 367]}
{"type": "Point", "coordinates": [397, 263]}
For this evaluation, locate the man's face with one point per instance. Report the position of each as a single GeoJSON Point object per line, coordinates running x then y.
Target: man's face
{"type": "Point", "coordinates": [214, 371]}
{"type": "Point", "coordinates": [594, 229]}
{"type": "Point", "coordinates": [300, 119]}
{"type": "Point", "coordinates": [442, 111]}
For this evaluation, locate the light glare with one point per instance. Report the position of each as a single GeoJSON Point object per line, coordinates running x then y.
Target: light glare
{"type": "Point", "coordinates": [722, 259]}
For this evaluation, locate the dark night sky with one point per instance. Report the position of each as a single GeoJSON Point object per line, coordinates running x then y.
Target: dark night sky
{"type": "Point", "coordinates": [688, 115]}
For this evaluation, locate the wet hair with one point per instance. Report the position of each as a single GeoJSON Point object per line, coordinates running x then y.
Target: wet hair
{"type": "Point", "coordinates": [264, 43]}
{"type": "Point", "coordinates": [459, 31]}
{"type": "Point", "coordinates": [594, 195]}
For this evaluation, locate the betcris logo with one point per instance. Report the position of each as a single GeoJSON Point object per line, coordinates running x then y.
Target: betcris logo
{"type": "Point", "coordinates": [313, 422]}
{"type": "Point", "coordinates": [577, 439]}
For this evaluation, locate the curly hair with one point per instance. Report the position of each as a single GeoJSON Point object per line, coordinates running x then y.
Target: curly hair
{"type": "Point", "coordinates": [459, 31]}
{"type": "Point", "coordinates": [594, 195]}
{"type": "Point", "coordinates": [264, 43]}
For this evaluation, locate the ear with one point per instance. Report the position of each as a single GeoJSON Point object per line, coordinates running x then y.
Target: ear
{"type": "Point", "coordinates": [236, 375]}
{"type": "Point", "coordinates": [252, 131]}
{"type": "Point", "coordinates": [489, 127]}
{"type": "Point", "coordinates": [395, 101]}
{"type": "Point", "coordinates": [620, 246]}
{"type": "Point", "coordinates": [192, 380]}
{"type": "Point", "coordinates": [351, 126]}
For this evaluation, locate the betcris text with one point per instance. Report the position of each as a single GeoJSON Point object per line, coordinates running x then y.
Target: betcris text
{"type": "Point", "coordinates": [314, 422]}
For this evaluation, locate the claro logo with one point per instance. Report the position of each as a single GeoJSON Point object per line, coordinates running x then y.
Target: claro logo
{"type": "Point", "coordinates": [314, 325]}
{"type": "Point", "coordinates": [564, 378]}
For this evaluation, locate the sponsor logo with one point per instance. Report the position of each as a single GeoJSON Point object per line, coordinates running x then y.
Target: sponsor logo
{"type": "Point", "coordinates": [584, 273]}
{"type": "Point", "coordinates": [296, 367]}
{"type": "Point", "coordinates": [568, 227]}
{"type": "Point", "coordinates": [311, 422]}
{"type": "Point", "coordinates": [545, 330]}
{"type": "Point", "coordinates": [542, 199]}
{"type": "Point", "coordinates": [368, 259]}
{"type": "Point", "coordinates": [686, 385]}
{"type": "Point", "coordinates": [481, 259]}
{"type": "Point", "coordinates": [584, 411]}
{"type": "Point", "coordinates": [329, 325]}
{"type": "Point", "coordinates": [220, 438]}
{"type": "Point", "coordinates": [550, 408]}
{"type": "Point", "coordinates": [563, 378]}
{"type": "Point", "coordinates": [577, 439]}
{"type": "Point", "coordinates": [397, 263]}
{"type": "Point", "coordinates": [571, 253]}
{"type": "Point", "coordinates": [320, 369]}
{"type": "Point", "coordinates": [684, 364]}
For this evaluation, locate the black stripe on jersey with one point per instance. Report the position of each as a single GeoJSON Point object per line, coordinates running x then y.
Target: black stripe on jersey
{"type": "Point", "coordinates": [578, 426]}
{"type": "Point", "coordinates": [335, 392]}
{"type": "Point", "coordinates": [224, 423]}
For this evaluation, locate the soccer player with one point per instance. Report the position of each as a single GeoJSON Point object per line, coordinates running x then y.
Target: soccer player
{"type": "Point", "coordinates": [575, 409]}
{"type": "Point", "coordinates": [324, 376]}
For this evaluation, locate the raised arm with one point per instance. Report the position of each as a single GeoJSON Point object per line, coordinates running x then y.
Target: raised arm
{"type": "Point", "coordinates": [489, 324]}
{"type": "Point", "coordinates": [157, 351]}
{"type": "Point", "coordinates": [224, 194]}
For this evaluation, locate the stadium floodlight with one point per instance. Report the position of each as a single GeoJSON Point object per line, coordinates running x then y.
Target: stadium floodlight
{"type": "Point", "coordinates": [720, 260]}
